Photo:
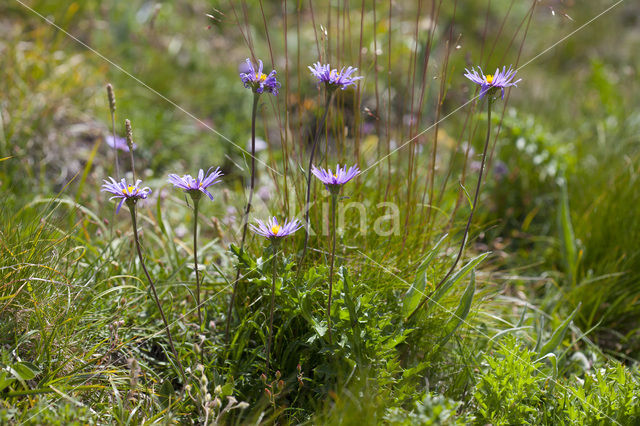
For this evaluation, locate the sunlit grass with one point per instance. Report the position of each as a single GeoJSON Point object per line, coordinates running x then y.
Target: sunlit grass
{"type": "Point", "coordinates": [82, 338]}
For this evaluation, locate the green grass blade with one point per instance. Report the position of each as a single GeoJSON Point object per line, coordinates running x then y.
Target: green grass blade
{"type": "Point", "coordinates": [462, 311]}
{"type": "Point", "coordinates": [454, 280]}
{"type": "Point", "coordinates": [416, 291]}
{"type": "Point", "coordinates": [570, 251]}
{"type": "Point", "coordinates": [558, 334]}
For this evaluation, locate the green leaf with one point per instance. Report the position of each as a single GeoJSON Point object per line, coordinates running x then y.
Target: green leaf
{"type": "Point", "coordinates": [5, 380]}
{"type": "Point", "coordinates": [416, 291]}
{"type": "Point", "coordinates": [461, 313]}
{"type": "Point", "coordinates": [453, 280]}
{"type": "Point", "coordinates": [570, 251]}
{"type": "Point", "coordinates": [558, 334]}
{"type": "Point", "coordinates": [23, 371]}
{"type": "Point", "coordinates": [320, 328]}
{"type": "Point", "coordinates": [554, 363]}
{"type": "Point", "coordinates": [166, 393]}
{"type": "Point", "coordinates": [242, 258]}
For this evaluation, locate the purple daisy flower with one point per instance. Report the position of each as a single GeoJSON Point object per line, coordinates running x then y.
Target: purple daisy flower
{"type": "Point", "coordinates": [272, 230]}
{"type": "Point", "coordinates": [125, 191]}
{"type": "Point", "coordinates": [119, 143]}
{"type": "Point", "coordinates": [333, 181]}
{"type": "Point", "coordinates": [198, 185]}
{"type": "Point", "coordinates": [491, 83]}
{"type": "Point", "coordinates": [333, 78]}
{"type": "Point", "coordinates": [258, 81]}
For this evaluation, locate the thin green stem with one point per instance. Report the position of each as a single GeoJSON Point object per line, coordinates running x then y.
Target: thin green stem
{"type": "Point", "coordinates": [196, 201]}
{"type": "Point", "coordinates": [272, 306]}
{"type": "Point", "coordinates": [334, 201]}
{"type": "Point", "coordinates": [473, 209]}
{"type": "Point", "coordinates": [245, 220]}
{"type": "Point", "coordinates": [132, 209]}
{"type": "Point", "coordinates": [311, 156]}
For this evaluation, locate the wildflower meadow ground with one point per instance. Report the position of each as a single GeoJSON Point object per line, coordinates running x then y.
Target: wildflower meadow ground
{"type": "Point", "coordinates": [378, 232]}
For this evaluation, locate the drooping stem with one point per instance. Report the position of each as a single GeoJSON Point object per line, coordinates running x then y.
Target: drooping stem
{"type": "Point", "coordinates": [195, 258]}
{"type": "Point", "coordinates": [245, 219]}
{"type": "Point", "coordinates": [311, 156]}
{"type": "Point", "coordinates": [334, 201]}
{"type": "Point", "coordinates": [473, 209]}
{"type": "Point", "coordinates": [132, 209]}
{"type": "Point", "coordinates": [272, 305]}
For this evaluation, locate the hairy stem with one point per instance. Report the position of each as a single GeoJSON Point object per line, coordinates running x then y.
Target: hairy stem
{"type": "Point", "coordinates": [334, 200]}
{"type": "Point", "coordinates": [272, 306]}
{"type": "Point", "coordinates": [132, 209]}
{"type": "Point", "coordinates": [196, 201]}
{"type": "Point", "coordinates": [245, 219]}
{"type": "Point", "coordinates": [195, 259]}
{"type": "Point", "coordinates": [473, 209]}
{"type": "Point", "coordinates": [311, 156]}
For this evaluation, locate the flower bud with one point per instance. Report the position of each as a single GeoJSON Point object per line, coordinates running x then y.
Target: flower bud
{"type": "Point", "coordinates": [217, 403]}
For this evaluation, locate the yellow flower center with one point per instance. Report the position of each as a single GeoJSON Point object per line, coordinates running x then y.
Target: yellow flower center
{"type": "Point", "coordinates": [261, 77]}
{"type": "Point", "coordinates": [275, 229]}
{"type": "Point", "coordinates": [335, 176]}
{"type": "Point", "coordinates": [489, 79]}
{"type": "Point", "coordinates": [128, 190]}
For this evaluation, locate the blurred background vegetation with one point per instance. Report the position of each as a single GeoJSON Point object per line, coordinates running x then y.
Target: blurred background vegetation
{"type": "Point", "coordinates": [558, 208]}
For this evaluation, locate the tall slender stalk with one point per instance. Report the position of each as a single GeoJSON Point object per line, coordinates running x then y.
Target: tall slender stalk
{"type": "Point", "coordinates": [311, 156]}
{"type": "Point", "coordinates": [334, 200]}
{"type": "Point", "coordinates": [132, 208]}
{"type": "Point", "coordinates": [272, 305]}
{"type": "Point", "coordinates": [127, 127]}
{"type": "Point", "coordinates": [245, 219]}
{"type": "Point", "coordinates": [196, 201]}
{"type": "Point", "coordinates": [112, 107]}
{"type": "Point", "coordinates": [473, 209]}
